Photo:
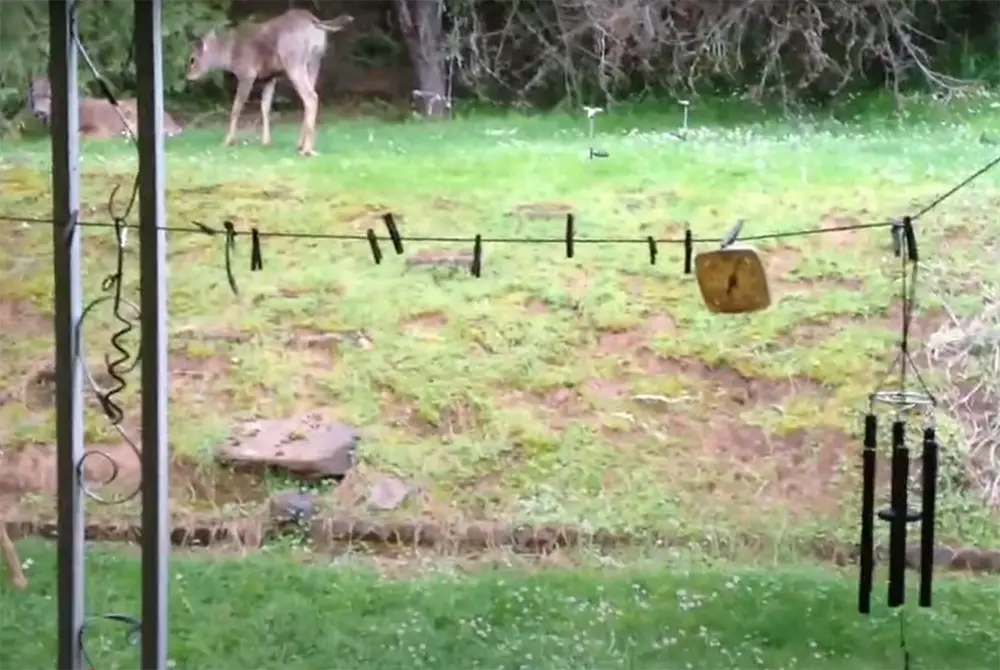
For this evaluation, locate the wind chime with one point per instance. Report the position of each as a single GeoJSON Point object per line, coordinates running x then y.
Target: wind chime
{"type": "Point", "coordinates": [732, 280]}
{"type": "Point", "coordinates": [904, 402]}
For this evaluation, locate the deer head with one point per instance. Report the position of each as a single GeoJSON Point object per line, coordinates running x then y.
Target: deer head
{"type": "Point", "coordinates": [40, 98]}
{"type": "Point", "coordinates": [207, 56]}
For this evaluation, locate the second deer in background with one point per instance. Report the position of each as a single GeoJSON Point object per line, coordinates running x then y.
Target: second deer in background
{"type": "Point", "coordinates": [292, 44]}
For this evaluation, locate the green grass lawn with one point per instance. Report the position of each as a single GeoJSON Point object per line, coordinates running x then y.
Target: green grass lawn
{"type": "Point", "coordinates": [255, 612]}
{"type": "Point", "coordinates": [514, 396]}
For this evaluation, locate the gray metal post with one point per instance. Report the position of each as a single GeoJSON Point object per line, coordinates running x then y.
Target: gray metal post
{"type": "Point", "coordinates": [153, 301]}
{"type": "Point", "coordinates": [68, 307]}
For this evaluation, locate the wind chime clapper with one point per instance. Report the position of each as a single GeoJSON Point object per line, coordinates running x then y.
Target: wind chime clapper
{"type": "Point", "coordinates": [898, 514]}
{"type": "Point", "coordinates": [732, 279]}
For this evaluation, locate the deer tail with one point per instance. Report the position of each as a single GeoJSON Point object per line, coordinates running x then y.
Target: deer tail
{"type": "Point", "coordinates": [337, 24]}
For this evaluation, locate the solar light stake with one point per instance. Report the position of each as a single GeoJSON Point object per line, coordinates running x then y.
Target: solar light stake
{"type": "Point", "coordinates": [592, 113]}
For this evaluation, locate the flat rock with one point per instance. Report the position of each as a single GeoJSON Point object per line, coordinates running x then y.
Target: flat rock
{"type": "Point", "coordinates": [292, 507]}
{"type": "Point", "coordinates": [305, 446]}
{"type": "Point", "coordinates": [388, 493]}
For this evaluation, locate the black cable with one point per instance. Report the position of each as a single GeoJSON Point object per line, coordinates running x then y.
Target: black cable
{"type": "Point", "coordinates": [958, 187]}
{"type": "Point", "coordinates": [202, 229]}
{"type": "Point", "coordinates": [902, 639]}
{"type": "Point", "coordinates": [131, 636]}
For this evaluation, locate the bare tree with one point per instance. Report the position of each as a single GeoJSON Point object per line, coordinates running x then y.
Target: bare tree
{"type": "Point", "coordinates": [756, 48]}
{"type": "Point", "coordinates": [421, 24]}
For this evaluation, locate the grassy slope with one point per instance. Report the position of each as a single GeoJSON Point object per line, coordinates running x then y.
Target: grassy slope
{"type": "Point", "coordinates": [465, 388]}
{"type": "Point", "coordinates": [255, 612]}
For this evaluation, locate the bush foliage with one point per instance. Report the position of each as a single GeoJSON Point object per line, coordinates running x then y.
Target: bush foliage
{"type": "Point", "coordinates": [586, 51]}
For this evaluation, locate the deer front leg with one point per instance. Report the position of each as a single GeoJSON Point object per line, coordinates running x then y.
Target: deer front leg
{"type": "Point", "coordinates": [242, 93]}
{"type": "Point", "coordinates": [266, 98]}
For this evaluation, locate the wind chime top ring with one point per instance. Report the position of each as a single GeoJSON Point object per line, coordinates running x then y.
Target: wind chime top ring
{"type": "Point", "coordinates": [905, 400]}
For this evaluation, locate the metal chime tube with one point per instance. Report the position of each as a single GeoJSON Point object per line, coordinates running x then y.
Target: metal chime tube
{"type": "Point", "coordinates": [897, 523]}
{"type": "Point", "coordinates": [867, 559]}
{"type": "Point", "coordinates": [927, 518]}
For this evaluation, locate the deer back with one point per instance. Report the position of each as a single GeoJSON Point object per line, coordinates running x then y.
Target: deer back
{"type": "Point", "coordinates": [100, 120]}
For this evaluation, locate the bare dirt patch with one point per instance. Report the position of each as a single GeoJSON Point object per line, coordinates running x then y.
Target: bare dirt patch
{"type": "Point", "coordinates": [28, 479]}
{"type": "Point", "coordinates": [186, 368]}
{"type": "Point", "coordinates": [782, 259]}
{"type": "Point", "coordinates": [325, 342]}
{"type": "Point", "coordinates": [227, 335]}
{"type": "Point", "coordinates": [541, 210]}
{"type": "Point", "coordinates": [454, 259]}
{"type": "Point", "coordinates": [426, 323]}
{"type": "Point", "coordinates": [807, 464]}
{"type": "Point", "coordinates": [366, 215]}
{"type": "Point", "coordinates": [711, 418]}
{"type": "Point", "coordinates": [537, 307]}
{"type": "Point", "coordinates": [782, 263]}
{"type": "Point", "coordinates": [812, 331]}
{"type": "Point", "coordinates": [624, 340]}
{"type": "Point", "coordinates": [839, 218]}
{"type": "Point", "coordinates": [24, 318]}
{"type": "Point", "coordinates": [457, 417]}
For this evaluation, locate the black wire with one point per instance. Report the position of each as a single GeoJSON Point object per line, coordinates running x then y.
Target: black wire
{"type": "Point", "coordinates": [131, 636]}
{"type": "Point", "coordinates": [202, 229]}
{"type": "Point", "coordinates": [957, 187]}
{"type": "Point", "coordinates": [902, 639]}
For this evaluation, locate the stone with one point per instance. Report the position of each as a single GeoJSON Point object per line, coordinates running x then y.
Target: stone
{"type": "Point", "coordinates": [307, 447]}
{"type": "Point", "coordinates": [292, 507]}
{"type": "Point", "coordinates": [388, 493]}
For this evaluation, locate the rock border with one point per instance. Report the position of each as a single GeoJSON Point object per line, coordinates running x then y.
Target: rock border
{"type": "Point", "coordinates": [331, 533]}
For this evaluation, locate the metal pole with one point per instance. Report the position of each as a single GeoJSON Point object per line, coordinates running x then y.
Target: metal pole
{"type": "Point", "coordinates": [68, 307]}
{"type": "Point", "coordinates": [152, 264]}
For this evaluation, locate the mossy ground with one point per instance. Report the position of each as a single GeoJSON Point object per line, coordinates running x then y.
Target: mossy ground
{"type": "Point", "coordinates": [512, 396]}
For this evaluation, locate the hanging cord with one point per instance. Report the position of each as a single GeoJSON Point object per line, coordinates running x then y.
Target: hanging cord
{"type": "Point", "coordinates": [902, 639]}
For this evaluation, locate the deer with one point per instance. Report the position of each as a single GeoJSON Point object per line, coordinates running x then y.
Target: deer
{"type": "Point", "coordinates": [98, 117]}
{"type": "Point", "coordinates": [292, 44]}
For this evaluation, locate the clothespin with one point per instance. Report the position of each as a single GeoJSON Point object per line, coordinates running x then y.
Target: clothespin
{"type": "Point", "coordinates": [570, 234]}
{"type": "Point", "coordinates": [373, 243]}
{"type": "Point", "coordinates": [688, 249]}
{"type": "Point", "coordinates": [390, 224]}
{"type": "Point", "coordinates": [256, 257]}
{"type": "Point", "coordinates": [904, 239]}
{"type": "Point", "coordinates": [476, 267]}
{"type": "Point", "coordinates": [230, 230]}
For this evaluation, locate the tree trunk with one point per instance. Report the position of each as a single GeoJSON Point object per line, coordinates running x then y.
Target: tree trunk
{"type": "Point", "coordinates": [420, 22]}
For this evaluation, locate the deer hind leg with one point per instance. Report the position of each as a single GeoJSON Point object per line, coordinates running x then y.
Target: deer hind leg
{"type": "Point", "coordinates": [266, 98]}
{"type": "Point", "coordinates": [310, 104]}
{"type": "Point", "coordinates": [11, 558]}
{"type": "Point", "coordinates": [242, 93]}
